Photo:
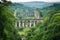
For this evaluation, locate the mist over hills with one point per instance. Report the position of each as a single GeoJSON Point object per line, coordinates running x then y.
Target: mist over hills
{"type": "Point", "coordinates": [30, 5]}
{"type": "Point", "coordinates": [26, 9]}
{"type": "Point", "coordinates": [22, 11]}
{"type": "Point", "coordinates": [37, 4]}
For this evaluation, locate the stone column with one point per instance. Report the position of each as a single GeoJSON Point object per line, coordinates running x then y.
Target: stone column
{"type": "Point", "coordinates": [15, 13]}
{"type": "Point", "coordinates": [16, 23]}
{"type": "Point", "coordinates": [23, 23]}
{"type": "Point", "coordinates": [26, 23]}
{"type": "Point", "coordinates": [34, 23]}
{"type": "Point", "coordinates": [30, 23]}
{"type": "Point", "coordinates": [19, 23]}
{"type": "Point", "coordinates": [22, 39]}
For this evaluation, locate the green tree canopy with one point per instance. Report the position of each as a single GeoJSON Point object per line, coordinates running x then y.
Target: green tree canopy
{"type": "Point", "coordinates": [7, 29]}
{"type": "Point", "coordinates": [49, 29]}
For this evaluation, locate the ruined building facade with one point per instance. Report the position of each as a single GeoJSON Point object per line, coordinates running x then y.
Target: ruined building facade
{"type": "Point", "coordinates": [28, 22]}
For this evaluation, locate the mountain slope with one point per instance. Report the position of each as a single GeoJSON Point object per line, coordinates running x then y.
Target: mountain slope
{"type": "Point", "coordinates": [22, 11]}
{"type": "Point", "coordinates": [26, 9]}
{"type": "Point", "coordinates": [36, 4]}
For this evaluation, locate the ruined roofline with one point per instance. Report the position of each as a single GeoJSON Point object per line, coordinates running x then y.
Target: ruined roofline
{"type": "Point", "coordinates": [29, 19]}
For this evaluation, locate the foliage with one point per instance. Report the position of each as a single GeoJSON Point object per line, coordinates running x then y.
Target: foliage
{"type": "Point", "coordinates": [7, 29]}
{"type": "Point", "coordinates": [54, 6]}
{"type": "Point", "coordinates": [48, 30]}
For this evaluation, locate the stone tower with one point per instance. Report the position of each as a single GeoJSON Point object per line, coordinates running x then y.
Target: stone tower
{"type": "Point", "coordinates": [36, 14]}
{"type": "Point", "coordinates": [15, 11]}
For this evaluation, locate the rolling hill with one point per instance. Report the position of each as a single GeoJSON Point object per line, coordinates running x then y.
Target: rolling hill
{"type": "Point", "coordinates": [37, 4]}
{"type": "Point", "coordinates": [26, 9]}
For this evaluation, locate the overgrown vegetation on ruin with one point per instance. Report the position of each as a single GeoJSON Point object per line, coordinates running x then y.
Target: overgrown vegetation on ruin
{"type": "Point", "coordinates": [49, 29]}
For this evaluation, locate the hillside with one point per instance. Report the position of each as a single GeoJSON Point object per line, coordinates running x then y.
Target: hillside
{"type": "Point", "coordinates": [22, 11]}
{"type": "Point", "coordinates": [26, 9]}
{"type": "Point", "coordinates": [36, 4]}
{"type": "Point", "coordinates": [55, 6]}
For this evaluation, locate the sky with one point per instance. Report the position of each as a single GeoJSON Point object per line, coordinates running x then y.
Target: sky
{"type": "Point", "coordinates": [35, 0]}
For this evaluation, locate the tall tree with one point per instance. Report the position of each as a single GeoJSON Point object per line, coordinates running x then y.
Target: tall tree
{"type": "Point", "coordinates": [7, 29]}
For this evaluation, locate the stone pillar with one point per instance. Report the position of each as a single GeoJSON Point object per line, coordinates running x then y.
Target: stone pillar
{"type": "Point", "coordinates": [15, 13]}
{"type": "Point", "coordinates": [19, 23]}
{"type": "Point", "coordinates": [30, 23]}
{"type": "Point", "coordinates": [23, 23]}
{"type": "Point", "coordinates": [22, 39]}
{"type": "Point", "coordinates": [34, 23]}
{"type": "Point", "coordinates": [26, 23]}
{"type": "Point", "coordinates": [16, 23]}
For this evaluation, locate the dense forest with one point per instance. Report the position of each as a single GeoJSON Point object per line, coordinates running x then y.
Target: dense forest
{"type": "Point", "coordinates": [49, 29]}
{"type": "Point", "coordinates": [7, 29]}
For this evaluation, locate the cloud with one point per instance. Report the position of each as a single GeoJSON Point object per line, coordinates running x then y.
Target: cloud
{"type": "Point", "coordinates": [52, 0]}
{"type": "Point", "coordinates": [35, 0]}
